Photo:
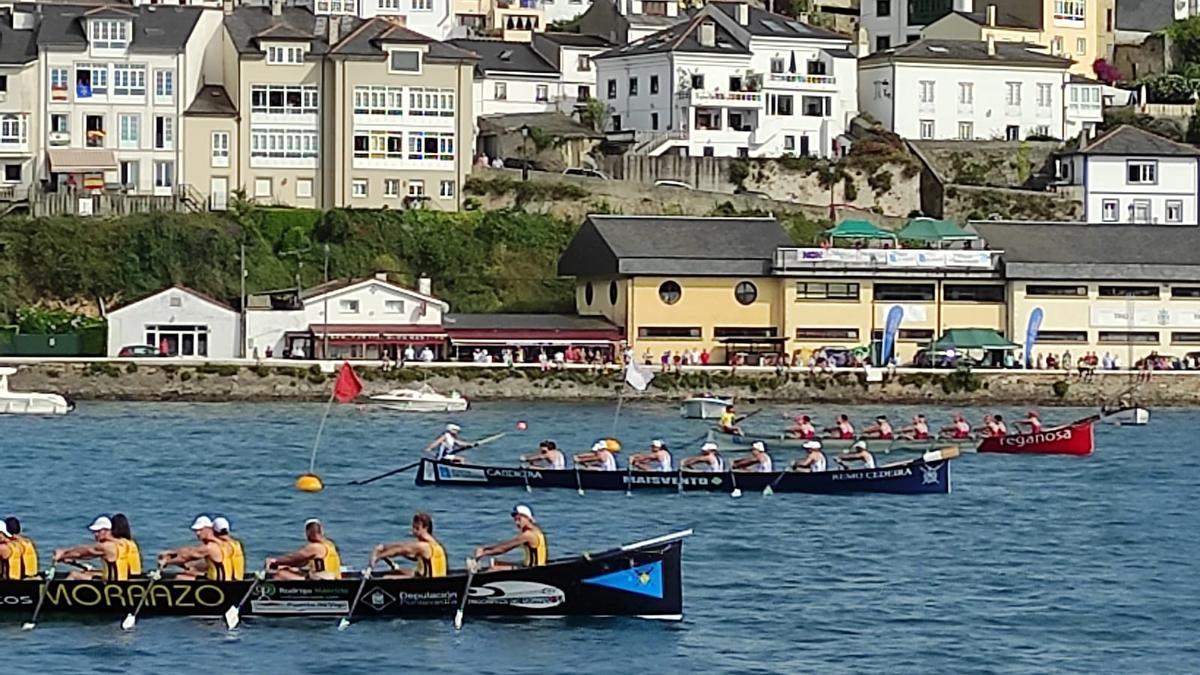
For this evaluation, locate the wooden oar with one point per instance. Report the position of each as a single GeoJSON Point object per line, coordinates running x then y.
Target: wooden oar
{"type": "Point", "coordinates": [472, 565]}
{"type": "Point", "coordinates": [578, 480]}
{"type": "Point", "coordinates": [743, 418]}
{"type": "Point", "coordinates": [737, 492]}
{"type": "Point", "coordinates": [233, 615]}
{"type": "Point", "coordinates": [32, 623]}
{"type": "Point", "coordinates": [345, 622]}
{"type": "Point", "coordinates": [130, 620]}
{"type": "Point", "coordinates": [406, 467]}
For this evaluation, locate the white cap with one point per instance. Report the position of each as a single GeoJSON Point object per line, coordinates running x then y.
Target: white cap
{"type": "Point", "coordinates": [453, 428]}
{"type": "Point", "coordinates": [859, 445]}
{"type": "Point", "coordinates": [201, 522]}
{"type": "Point", "coordinates": [811, 445]}
{"type": "Point", "coordinates": [100, 523]}
{"type": "Point", "coordinates": [656, 443]}
{"type": "Point", "coordinates": [599, 445]}
{"type": "Point", "coordinates": [709, 446]}
{"type": "Point", "coordinates": [758, 445]}
{"type": "Point", "coordinates": [522, 510]}
{"type": "Point", "coordinates": [312, 521]}
{"type": "Point", "coordinates": [4, 529]}
{"type": "Point", "coordinates": [220, 524]}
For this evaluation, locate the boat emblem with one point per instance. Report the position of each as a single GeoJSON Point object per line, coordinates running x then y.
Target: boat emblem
{"type": "Point", "coordinates": [379, 599]}
{"type": "Point", "coordinates": [930, 475]}
{"type": "Point", "coordinates": [715, 480]}
{"type": "Point", "coordinates": [266, 591]}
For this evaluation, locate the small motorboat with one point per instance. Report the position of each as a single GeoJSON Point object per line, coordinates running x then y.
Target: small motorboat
{"type": "Point", "coordinates": [425, 399]}
{"type": "Point", "coordinates": [1128, 415]}
{"type": "Point", "coordinates": [704, 406]}
{"type": "Point", "coordinates": [28, 402]}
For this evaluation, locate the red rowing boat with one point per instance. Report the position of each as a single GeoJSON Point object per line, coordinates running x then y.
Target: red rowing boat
{"type": "Point", "coordinates": [1075, 438]}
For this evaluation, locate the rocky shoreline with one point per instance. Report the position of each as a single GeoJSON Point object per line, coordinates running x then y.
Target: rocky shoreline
{"type": "Point", "coordinates": [138, 381]}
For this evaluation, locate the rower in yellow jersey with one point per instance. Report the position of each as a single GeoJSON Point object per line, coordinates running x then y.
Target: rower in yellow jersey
{"type": "Point", "coordinates": [28, 552]}
{"type": "Point", "coordinates": [107, 548]}
{"type": "Point", "coordinates": [10, 555]}
{"type": "Point", "coordinates": [213, 565]}
{"type": "Point", "coordinates": [318, 559]}
{"type": "Point", "coordinates": [233, 547]}
{"type": "Point", "coordinates": [530, 539]}
{"type": "Point", "coordinates": [425, 550]}
{"type": "Point", "coordinates": [128, 549]}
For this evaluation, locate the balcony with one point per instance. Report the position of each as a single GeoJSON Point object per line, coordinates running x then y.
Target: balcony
{"type": "Point", "coordinates": [801, 81]}
{"type": "Point", "coordinates": [724, 99]}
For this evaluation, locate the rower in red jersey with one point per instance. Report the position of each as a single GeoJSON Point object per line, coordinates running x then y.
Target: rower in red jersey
{"type": "Point", "coordinates": [960, 428]}
{"type": "Point", "coordinates": [803, 428]}
{"type": "Point", "coordinates": [882, 429]}
{"type": "Point", "coordinates": [1032, 421]}
{"type": "Point", "coordinates": [842, 429]}
{"type": "Point", "coordinates": [918, 430]}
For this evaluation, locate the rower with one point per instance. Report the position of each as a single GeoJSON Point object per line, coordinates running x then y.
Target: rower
{"type": "Point", "coordinates": [657, 458]}
{"type": "Point", "coordinates": [709, 459]}
{"type": "Point", "coordinates": [529, 537]}
{"type": "Point", "coordinates": [729, 422]}
{"type": "Point", "coordinates": [444, 447]}
{"type": "Point", "coordinates": [424, 549]}
{"type": "Point", "coordinates": [106, 547]}
{"type": "Point", "coordinates": [601, 457]}
{"type": "Point", "coordinates": [317, 559]}
{"type": "Point", "coordinates": [999, 428]}
{"type": "Point", "coordinates": [881, 429]}
{"type": "Point", "coordinates": [803, 428]}
{"type": "Point", "coordinates": [918, 430]}
{"type": "Point", "coordinates": [986, 428]}
{"type": "Point", "coordinates": [842, 429]}
{"type": "Point", "coordinates": [548, 456]}
{"type": "Point", "coordinates": [232, 547]}
{"type": "Point", "coordinates": [28, 556]}
{"type": "Point", "coordinates": [10, 555]}
{"type": "Point", "coordinates": [129, 551]}
{"type": "Point", "coordinates": [813, 460]}
{"type": "Point", "coordinates": [1032, 421]}
{"type": "Point", "coordinates": [858, 453]}
{"type": "Point", "coordinates": [207, 560]}
{"type": "Point", "coordinates": [758, 461]}
{"type": "Point", "coordinates": [960, 428]}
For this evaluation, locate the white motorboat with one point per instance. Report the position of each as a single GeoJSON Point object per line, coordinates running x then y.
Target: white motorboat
{"type": "Point", "coordinates": [1128, 415]}
{"type": "Point", "coordinates": [28, 402]}
{"type": "Point", "coordinates": [424, 399]}
{"type": "Point", "coordinates": [704, 406]}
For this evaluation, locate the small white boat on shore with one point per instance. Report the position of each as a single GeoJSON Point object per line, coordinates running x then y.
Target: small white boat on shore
{"type": "Point", "coordinates": [704, 406]}
{"type": "Point", "coordinates": [28, 402]}
{"type": "Point", "coordinates": [1130, 415]}
{"type": "Point", "coordinates": [425, 399]}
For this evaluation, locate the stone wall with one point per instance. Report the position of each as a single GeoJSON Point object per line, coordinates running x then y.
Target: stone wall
{"type": "Point", "coordinates": [961, 203]}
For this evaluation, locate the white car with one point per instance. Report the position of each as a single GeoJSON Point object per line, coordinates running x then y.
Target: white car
{"type": "Point", "coordinates": [678, 184]}
{"type": "Point", "coordinates": [586, 173]}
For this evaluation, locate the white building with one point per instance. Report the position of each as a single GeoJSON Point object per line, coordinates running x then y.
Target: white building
{"type": "Point", "coordinates": [1133, 176]}
{"type": "Point", "coordinates": [966, 90]}
{"type": "Point", "coordinates": [625, 21]}
{"type": "Point", "coordinates": [572, 54]}
{"type": "Point", "coordinates": [360, 319]}
{"type": "Point", "coordinates": [734, 81]}
{"type": "Point", "coordinates": [177, 322]}
{"type": "Point", "coordinates": [20, 128]}
{"type": "Point", "coordinates": [512, 77]}
{"type": "Point", "coordinates": [117, 81]}
{"type": "Point", "coordinates": [891, 23]}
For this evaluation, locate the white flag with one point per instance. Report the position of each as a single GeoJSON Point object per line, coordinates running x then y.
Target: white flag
{"type": "Point", "coordinates": [638, 378]}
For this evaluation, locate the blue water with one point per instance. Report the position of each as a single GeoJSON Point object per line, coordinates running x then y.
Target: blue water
{"type": "Point", "coordinates": [1031, 565]}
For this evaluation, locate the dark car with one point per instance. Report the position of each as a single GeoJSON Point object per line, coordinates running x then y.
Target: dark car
{"type": "Point", "coordinates": [925, 358]}
{"type": "Point", "coordinates": [138, 351]}
{"type": "Point", "coordinates": [518, 163]}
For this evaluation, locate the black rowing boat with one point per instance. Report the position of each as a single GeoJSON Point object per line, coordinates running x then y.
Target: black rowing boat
{"type": "Point", "coordinates": [641, 580]}
{"type": "Point", "coordinates": [916, 477]}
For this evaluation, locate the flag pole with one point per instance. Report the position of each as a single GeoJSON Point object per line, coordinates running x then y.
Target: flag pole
{"type": "Point", "coordinates": [617, 416]}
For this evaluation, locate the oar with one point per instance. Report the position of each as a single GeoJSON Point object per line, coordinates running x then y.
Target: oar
{"type": "Point", "coordinates": [32, 623]}
{"type": "Point", "coordinates": [345, 622]}
{"type": "Point", "coordinates": [578, 480]}
{"type": "Point", "coordinates": [233, 615]}
{"type": "Point", "coordinates": [472, 565]}
{"type": "Point", "coordinates": [679, 481]}
{"type": "Point", "coordinates": [629, 479]}
{"type": "Point", "coordinates": [406, 467]}
{"type": "Point", "coordinates": [737, 492]}
{"type": "Point", "coordinates": [747, 416]}
{"type": "Point", "coordinates": [770, 489]}
{"type": "Point", "coordinates": [525, 475]}
{"type": "Point", "coordinates": [131, 619]}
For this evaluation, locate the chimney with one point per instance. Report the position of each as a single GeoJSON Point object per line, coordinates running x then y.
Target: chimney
{"type": "Point", "coordinates": [381, 276]}
{"type": "Point", "coordinates": [334, 32]}
{"type": "Point", "coordinates": [708, 34]}
{"type": "Point", "coordinates": [23, 19]}
{"type": "Point", "coordinates": [991, 15]}
{"type": "Point", "coordinates": [425, 286]}
{"type": "Point", "coordinates": [966, 6]}
{"type": "Point", "coordinates": [991, 44]}
{"type": "Point", "coordinates": [743, 13]}
{"type": "Point", "coordinates": [227, 7]}
{"type": "Point", "coordinates": [276, 7]}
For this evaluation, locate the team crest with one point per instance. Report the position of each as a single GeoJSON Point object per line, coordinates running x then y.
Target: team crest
{"type": "Point", "coordinates": [930, 475]}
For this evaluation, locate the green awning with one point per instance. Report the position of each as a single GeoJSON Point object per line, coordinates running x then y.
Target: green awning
{"type": "Point", "coordinates": [859, 229]}
{"type": "Point", "coordinates": [972, 338]}
{"type": "Point", "coordinates": [928, 229]}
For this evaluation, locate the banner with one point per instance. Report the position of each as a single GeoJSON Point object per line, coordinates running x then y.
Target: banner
{"type": "Point", "coordinates": [1031, 333]}
{"type": "Point", "coordinates": [890, 329]}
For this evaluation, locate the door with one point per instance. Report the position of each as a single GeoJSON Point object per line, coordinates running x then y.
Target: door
{"type": "Point", "coordinates": [218, 193]}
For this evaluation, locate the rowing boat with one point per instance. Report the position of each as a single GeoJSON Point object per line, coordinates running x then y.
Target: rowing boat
{"type": "Point", "coordinates": [727, 441]}
{"type": "Point", "coordinates": [916, 477]}
{"type": "Point", "coordinates": [1075, 438]}
{"type": "Point", "coordinates": [642, 580]}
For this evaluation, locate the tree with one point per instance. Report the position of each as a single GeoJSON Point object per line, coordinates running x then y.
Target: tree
{"type": "Point", "coordinates": [1185, 39]}
{"type": "Point", "coordinates": [594, 113]}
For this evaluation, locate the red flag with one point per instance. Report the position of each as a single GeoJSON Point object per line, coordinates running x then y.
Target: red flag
{"type": "Point", "coordinates": [348, 386]}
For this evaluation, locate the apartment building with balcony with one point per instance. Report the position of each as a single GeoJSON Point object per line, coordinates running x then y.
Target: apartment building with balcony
{"type": "Point", "coordinates": [732, 81]}
{"type": "Point", "coordinates": [19, 124]}
{"type": "Point", "coordinates": [511, 77]}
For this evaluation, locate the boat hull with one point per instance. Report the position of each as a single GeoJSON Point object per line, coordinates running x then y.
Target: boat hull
{"type": "Point", "coordinates": [703, 408]}
{"type": "Point", "coordinates": [34, 404]}
{"type": "Point", "coordinates": [915, 477]}
{"type": "Point", "coordinates": [1072, 439]}
{"type": "Point", "coordinates": [1126, 416]}
{"type": "Point", "coordinates": [459, 405]}
{"type": "Point", "coordinates": [643, 582]}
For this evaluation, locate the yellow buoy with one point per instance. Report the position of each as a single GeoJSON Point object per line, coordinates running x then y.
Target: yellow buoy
{"type": "Point", "coordinates": [309, 482]}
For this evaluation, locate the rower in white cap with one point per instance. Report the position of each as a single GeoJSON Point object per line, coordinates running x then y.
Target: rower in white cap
{"type": "Point", "coordinates": [444, 447]}
{"type": "Point", "coordinates": [602, 456]}
{"type": "Point", "coordinates": [758, 461]}
{"type": "Point", "coordinates": [813, 460]}
{"type": "Point", "coordinates": [105, 547]}
{"type": "Point", "coordinates": [858, 453]}
{"type": "Point", "coordinates": [529, 537]}
{"type": "Point", "coordinates": [657, 458]}
{"type": "Point", "coordinates": [709, 459]}
{"type": "Point", "coordinates": [207, 559]}
{"type": "Point", "coordinates": [232, 546]}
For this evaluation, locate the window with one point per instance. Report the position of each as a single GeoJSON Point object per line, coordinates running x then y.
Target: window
{"type": "Point", "coordinates": [379, 100]}
{"type": "Point", "coordinates": [1062, 336]}
{"type": "Point", "coordinates": [972, 293]}
{"type": "Point", "coordinates": [94, 131]}
{"type": "Point", "coordinates": [281, 55]}
{"type": "Point", "coordinates": [304, 188]}
{"type": "Point", "coordinates": [262, 187]}
{"type": "Point", "coordinates": [882, 43]}
{"type": "Point", "coordinates": [1129, 291]}
{"type": "Point", "coordinates": [1080, 45]}
{"type": "Point", "coordinates": [814, 290]}
{"type": "Point", "coordinates": [921, 292]}
{"type": "Point", "coordinates": [164, 174]}
{"type": "Point", "coordinates": [584, 63]}
{"type": "Point", "coordinates": [416, 188]}
{"type": "Point", "coordinates": [1110, 210]}
{"type": "Point", "coordinates": [926, 91]}
{"type": "Point", "coordinates": [389, 6]}
{"type": "Point", "coordinates": [827, 334]}
{"type": "Point", "coordinates": [1174, 211]}
{"type": "Point", "coordinates": [745, 292]}
{"type": "Point", "coordinates": [612, 88]}
{"type": "Point", "coordinates": [336, 7]}
{"type": "Point", "coordinates": [653, 84]}
{"type": "Point", "coordinates": [12, 173]}
{"type": "Point", "coordinates": [744, 332]}
{"type": "Point", "coordinates": [543, 93]}
{"type": "Point", "coordinates": [1045, 94]}
{"type": "Point", "coordinates": [348, 306]}
{"type": "Point", "coordinates": [1141, 171]}
{"type": "Point", "coordinates": [404, 61]}
{"type": "Point", "coordinates": [612, 293]}
{"type": "Point", "coordinates": [816, 106]}
{"type": "Point", "coordinates": [1185, 292]}
{"type": "Point", "coordinates": [220, 148]}
{"type": "Point", "coordinates": [616, 122]}
{"type": "Point", "coordinates": [654, 8]}
{"type": "Point", "coordinates": [358, 190]}
{"type": "Point", "coordinates": [789, 143]}
{"type": "Point", "coordinates": [669, 332]}
{"type": "Point", "coordinates": [1056, 45]}
{"type": "Point", "coordinates": [429, 102]}
{"type": "Point", "coordinates": [966, 131]}
{"type": "Point", "coordinates": [128, 127]}
{"type": "Point", "coordinates": [130, 173]}
{"type": "Point", "coordinates": [633, 86]}
{"type": "Point", "coordinates": [60, 123]}
{"type": "Point", "coordinates": [282, 144]}
{"type": "Point", "coordinates": [430, 146]}
{"type": "Point", "coordinates": [1042, 130]}
{"type": "Point", "coordinates": [1185, 337]}
{"type": "Point", "coordinates": [129, 80]}
{"type": "Point", "coordinates": [501, 91]}
{"type": "Point", "coordinates": [781, 104]}
{"type": "Point", "coordinates": [584, 92]}
{"type": "Point", "coordinates": [393, 306]}
{"type": "Point", "coordinates": [966, 93]}
{"type": "Point", "coordinates": [109, 33]}
{"type": "Point", "coordinates": [778, 65]}
{"type": "Point", "coordinates": [654, 121]}
{"type": "Point", "coordinates": [669, 292]}
{"type": "Point", "coordinates": [698, 81]}
{"type": "Point", "coordinates": [60, 82]}
{"type": "Point", "coordinates": [1139, 211]}
{"type": "Point", "coordinates": [926, 129]}
{"type": "Point", "coordinates": [13, 129]}
{"type": "Point", "coordinates": [422, 5]}
{"type": "Point", "coordinates": [1012, 95]}
{"type": "Point", "coordinates": [883, 7]}
{"type": "Point", "coordinates": [91, 79]}
{"type": "Point", "coordinates": [1128, 337]}
{"type": "Point", "coordinates": [446, 189]}
{"type": "Point", "coordinates": [280, 99]}
{"type": "Point", "coordinates": [1012, 132]}
{"type": "Point", "coordinates": [164, 133]}
{"type": "Point", "coordinates": [1069, 10]}
{"type": "Point", "coordinates": [391, 187]}
{"type": "Point", "coordinates": [1055, 291]}
{"type": "Point", "coordinates": [164, 85]}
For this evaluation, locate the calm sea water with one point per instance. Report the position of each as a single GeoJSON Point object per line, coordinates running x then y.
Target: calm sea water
{"type": "Point", "coordinates": [1031, 565]}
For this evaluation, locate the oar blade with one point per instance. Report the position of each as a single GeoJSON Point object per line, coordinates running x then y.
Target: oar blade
{"type": "Point", "coordinates": [232, 618]}
{"type": "Point", "coordinates": [28, 625]}
{"type": "Point", "coordinates": [128, 622]}
{"type": "Point", "coordinates": [767, 491]}
{"type": "Point", "coordinates": [458, 620]}
{"type": "Point", "coordinates": [344, 623]}
{"type": "Point", "coordinates": [737, 493]}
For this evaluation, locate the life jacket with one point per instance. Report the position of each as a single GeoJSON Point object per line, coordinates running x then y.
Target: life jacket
{"type": "Point", "coordinates": [435, 565]}
{"type": "Point", "coordinates": [331, 562]}
{"type": "Point", "coordinates": [535, 555]}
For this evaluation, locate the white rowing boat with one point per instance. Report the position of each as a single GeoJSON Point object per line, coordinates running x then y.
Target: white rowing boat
{"type": "Point", "coordinates": [1129, 415]}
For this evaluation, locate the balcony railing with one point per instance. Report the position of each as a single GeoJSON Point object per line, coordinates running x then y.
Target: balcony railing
{"type": "Point", "coordinates": [887, 258]}
{"type": "Point", "coordinates": [799, 80]}
{"type": "Point", "coordinates": [742, 99]}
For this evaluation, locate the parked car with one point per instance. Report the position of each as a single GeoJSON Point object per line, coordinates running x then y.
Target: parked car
{"type": "Point", "coordinates": [586, 173]}
{"type": "Point", "coordinates": [925, 358]}
{"type": "Point", "coordinates": [673, 184]}
{"type": "Point", "coordinates": [138, 351]}
{"type": "Point", "coordinates": [752, 193]}
{"type": "Point", "coordinates": [518, 163]}
{"type": "Point", "coordinates": [838, 357]}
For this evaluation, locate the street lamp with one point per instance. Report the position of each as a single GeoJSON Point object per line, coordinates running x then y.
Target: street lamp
{"type": "Point", "coordinates": [525, 152]}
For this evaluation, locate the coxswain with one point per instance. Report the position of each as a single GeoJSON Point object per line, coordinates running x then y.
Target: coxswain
{"type": "Point", "coordinates": [657, 458]}
{"type": "Point", "coordinates": [548, 456]}
{"type": "Point", "coordinates": [858, 453]}
{"type": "Point", "coordinates": [729, 422]}
{"type": "Point", "coordinates": [530, 539]}
{"type": "Point", "coordinates": [444, 447]}
{"type": "Point", "coordinates": [1032, 421]}
{"type": "Point", "coordinates": [813, 460]}
{"type": "Point", "coordinates": [130, 552]}
{"type": "Point", "coordinates": [959, 428]}
{"type": "Point", "coordinates": [842, 429]}
{"type": "Point", "coordinates": [601, 457]}
{"type": "Point", "coordinates": [881, 429]}
{"type": "Point", "coordinates": [29, 555]}
{"type": "Point", "coordinates": [232, 547]}
{"type": "Point", "coordinates": [317, 559]}
{"type": "Point", "coordinates": [758, 461]}
{"type": "Point", "coordinates": [426, 551]}
{"type": "Point", "coordinates": [11, 564]}
{"type": "Point", "coordinates": [709, 459]}
{"type": "Point", "coordinates": [803, 428]}
{"type": "Point", "coordinates": [207, 559]}
{"type": "Point", "coordinates": [918, 430]}
{"type": "Point", "coordinates": [105, 547]}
